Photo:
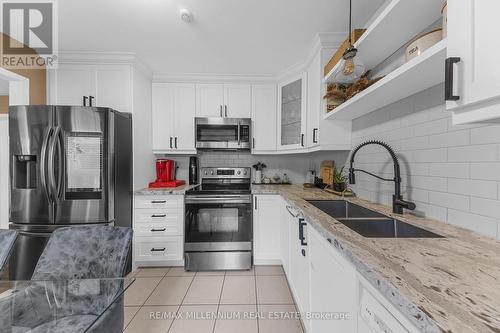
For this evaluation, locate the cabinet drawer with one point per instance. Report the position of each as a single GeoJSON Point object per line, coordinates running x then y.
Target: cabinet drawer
{"type": "Point", "coordinates": [154, 201]}
{"type": "Point", "coordinates": [154, 229]}
{"type": "Point", "coordinates": [159, 248]}
{"type": "Point", "coordinates": [159, 215]}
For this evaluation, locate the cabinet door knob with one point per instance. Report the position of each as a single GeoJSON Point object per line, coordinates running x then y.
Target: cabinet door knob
{"type": "Point", "coordinates": [91, 98]}
{"type": "Point", "coordinates": [170, 142]}
{"type": "Point", "coordinates": [85, 98]}
{"type": "Point", "coordinates": [221, 110]}
{"type": "Point", "coordinates": [302, 140]}
{"type": "Point", "coordinates": [175, 142]}
{"type": "Point", "coordinates": [448, 79]}
{"type": "Point", "coordinates": [225, 110]}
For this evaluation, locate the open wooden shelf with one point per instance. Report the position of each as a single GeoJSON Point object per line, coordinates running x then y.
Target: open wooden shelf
{"type": "Point", "coordinates": [418, 74]}
{"type": "Point", "coordinates": [398, 22]}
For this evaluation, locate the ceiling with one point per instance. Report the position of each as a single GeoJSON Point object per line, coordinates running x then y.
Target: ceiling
{"type": "Point", "coordinates": [255, 37]}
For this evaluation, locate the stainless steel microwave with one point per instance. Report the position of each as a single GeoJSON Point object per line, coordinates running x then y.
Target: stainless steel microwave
{"type": "Point", "coordinates": [223, 133]}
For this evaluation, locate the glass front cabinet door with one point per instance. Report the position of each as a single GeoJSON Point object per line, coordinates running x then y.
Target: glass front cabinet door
{"type": "Point", "coordinates": [292, 113]}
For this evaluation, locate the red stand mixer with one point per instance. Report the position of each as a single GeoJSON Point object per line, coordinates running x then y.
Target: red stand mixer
{"type": "Point", "coordinates": [165, 175]}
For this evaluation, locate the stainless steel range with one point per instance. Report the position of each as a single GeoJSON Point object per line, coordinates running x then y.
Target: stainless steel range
{"type": "Point", "coordinates": [218, 231]}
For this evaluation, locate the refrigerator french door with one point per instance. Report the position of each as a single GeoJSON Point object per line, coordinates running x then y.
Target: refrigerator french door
{"type": "Point", "coordinates": [62, 173]}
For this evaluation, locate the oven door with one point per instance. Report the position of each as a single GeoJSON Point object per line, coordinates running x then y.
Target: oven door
{"type": "Point", "coordinates": [222, 133]}
{"type": "Point", "coordinates": [218, 223]}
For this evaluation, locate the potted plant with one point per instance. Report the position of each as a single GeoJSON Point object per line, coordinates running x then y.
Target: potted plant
{"type": "Point", "coordinates": [258, 172]}
{"type": "Point", "coordinates": [339, 180]}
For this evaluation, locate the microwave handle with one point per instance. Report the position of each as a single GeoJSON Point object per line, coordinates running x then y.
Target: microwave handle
{"type": "Point", "coordinates": [239, 133]}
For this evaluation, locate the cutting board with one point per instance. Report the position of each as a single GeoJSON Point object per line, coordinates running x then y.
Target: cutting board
{"type": "Point", "coordinates": [326, 172]}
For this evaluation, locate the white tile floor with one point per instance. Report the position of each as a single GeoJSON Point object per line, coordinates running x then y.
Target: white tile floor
{"type": "Point", "coordinates": [164, 300]}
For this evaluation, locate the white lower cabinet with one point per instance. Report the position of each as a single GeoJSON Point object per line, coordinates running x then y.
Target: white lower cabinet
{"type": "Point", "coordinates": [158, 230]}
{"type": "Point", "coordinates": [331, 295]}
{"type": "Point", "coordinates": [333, 287]}
{"type": "Point", "coordinates": [266, 228]}
{"type": "Point", "coordinates": [299, 276]}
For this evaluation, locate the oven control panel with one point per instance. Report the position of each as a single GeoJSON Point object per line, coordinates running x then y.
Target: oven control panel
{"type": "Point", "coordinates": [225, 172]}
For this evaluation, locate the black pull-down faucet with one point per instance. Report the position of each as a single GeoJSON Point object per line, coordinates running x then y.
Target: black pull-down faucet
{"type": "Point", "coordinates": [397, 199]}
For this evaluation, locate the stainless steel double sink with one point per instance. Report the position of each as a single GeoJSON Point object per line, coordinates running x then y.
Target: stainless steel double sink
{"type": "Point", "coordinates": [369, 223]}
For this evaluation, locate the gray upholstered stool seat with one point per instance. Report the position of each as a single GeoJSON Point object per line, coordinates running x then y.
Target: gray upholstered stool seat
{"type": "Point", "coordinates": [74, 253]}
{"type": "Point", "coordinates": [87, 252]}
{"type": "Point", "coordinates": [68, 324]}
{"type": "Point", "coordinates": [7, 240]}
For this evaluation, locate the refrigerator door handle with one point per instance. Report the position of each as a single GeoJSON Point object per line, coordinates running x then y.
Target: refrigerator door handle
{"type": "Point", "coordinates": [54, 144]}
{"type": "Point", "coordinates": [43, 162]}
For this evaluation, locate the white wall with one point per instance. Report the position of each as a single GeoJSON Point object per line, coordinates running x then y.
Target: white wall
{"type": "Point", "coordinates": [451, 172]}
{"type": "Point", "coordinates": [143, 156]}
{"type": "Point", "coordinates": [295, 165]}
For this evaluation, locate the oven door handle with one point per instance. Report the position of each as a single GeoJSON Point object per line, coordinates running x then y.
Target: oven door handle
{"type": "Point", "coordinates": [239, 133]}
{"type": "Point", "coordinates": [218, 199]}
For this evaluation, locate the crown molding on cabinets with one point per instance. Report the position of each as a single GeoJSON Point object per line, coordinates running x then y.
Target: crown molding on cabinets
{"type": "Point", "coordinates": [164, 77]}
{"type": "Point", "coordinates": [108, 58]}
{"type": "Point", "coordinates": [322, 41]}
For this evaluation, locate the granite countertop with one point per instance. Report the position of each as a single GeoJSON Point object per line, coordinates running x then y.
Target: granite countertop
{"type": "Point", "coordinates": [179, 190]}
{"type": "Point", "coordinates": [441, 285]}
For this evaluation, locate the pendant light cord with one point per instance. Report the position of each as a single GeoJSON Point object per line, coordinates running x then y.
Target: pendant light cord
{"type": "Point", "coordinates": [350, 22]}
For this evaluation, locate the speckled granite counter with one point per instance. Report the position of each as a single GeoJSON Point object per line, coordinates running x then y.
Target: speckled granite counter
{"type": "Point", "coordinates": [165, 191]}
{"type": "Point", "coordinates": [441, 285]}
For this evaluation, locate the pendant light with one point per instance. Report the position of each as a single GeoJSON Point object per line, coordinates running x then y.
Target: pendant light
{"type": "Point", "coordinates": [350, 68]}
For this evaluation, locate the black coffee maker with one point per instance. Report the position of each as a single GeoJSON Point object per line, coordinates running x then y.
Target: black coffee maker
{"type": "Point", "coordinates": [193, 170]}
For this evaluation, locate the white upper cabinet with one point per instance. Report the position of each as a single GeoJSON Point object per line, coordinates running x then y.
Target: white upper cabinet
{"type": "Point", "coordinates": [92, 85]}
{"type": "Point", "coordinates": [292, 113]}
{"type": "Point", "coordinates": [209, 100]}
{"type": "Point", "coordinates": [237, 100]}
{"type": "Point", "coordinates": [473, 84]}
{"type": "Point", "coordinates": [173, 118]}
{"type": "Point", "coordinates": [313, 102]}
{"type": "Point", "coordinates": [264, 118]}
{"type": "Point", "coordinates": [70, 84]}
{"type": "Point", "coordinates": [112, 83]}
{"type": "Point", "coordinates": [223, 100]}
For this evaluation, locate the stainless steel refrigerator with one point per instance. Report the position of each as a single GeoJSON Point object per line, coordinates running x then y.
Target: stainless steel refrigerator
{"type": "Point", "coordinates": [69, 166]}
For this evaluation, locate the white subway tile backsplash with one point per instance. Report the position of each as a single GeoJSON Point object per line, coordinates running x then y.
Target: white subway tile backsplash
{"type": "Point", "coordinates": [449, 139]}
{"type": "Point", "coordinates": [472, 187]}
{"type": "Point", "coordinates": [429, 183]}
{"type": "Point", "coordinates": [484, 225]}
{"type": "Point", "coordinates": [452, 172]}
{"type": "Point", "coordinates": [449, 200]}
{"type": "Point", "coordinates": [486, 171]}
{"type": "Point", "coordinates": [473, 153]}
{"type": "Point", "coordinates": [431, 127]}
{"type": "Point", "coordinates": [485, 207]}
{"type": "Point", "coordinates": [488, 134]}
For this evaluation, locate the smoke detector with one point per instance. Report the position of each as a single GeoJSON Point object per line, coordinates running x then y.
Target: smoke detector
{"type": "Point", "coordinates": [186, 15]}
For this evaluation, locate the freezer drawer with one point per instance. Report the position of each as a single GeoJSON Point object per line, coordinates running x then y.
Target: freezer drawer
{"type": "Point", "coordinates": [158, 248]}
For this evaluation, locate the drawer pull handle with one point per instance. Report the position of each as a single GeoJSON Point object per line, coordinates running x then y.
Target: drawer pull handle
{"type": "Point", "coordinates": [159, 201]}
{"type": "Point", "coordinates": [158, 250]}
{"type": "Point", "coordinates": [159, 215]}
{"type": "Point", "coordinates": [158, 230]}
